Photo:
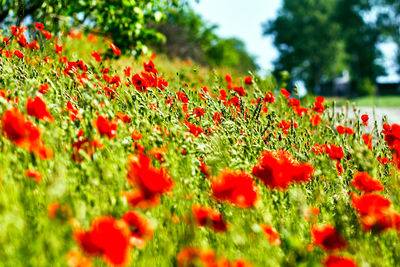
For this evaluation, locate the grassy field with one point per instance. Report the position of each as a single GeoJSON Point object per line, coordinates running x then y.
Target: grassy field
{"type": "Point", "coordinates": [118, 161]}
{"type": "Point", "coordinates": [390, 101]}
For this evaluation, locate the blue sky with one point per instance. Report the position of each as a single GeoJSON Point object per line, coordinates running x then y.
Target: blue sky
{"type": "Point", "coordinates": [244, 18]}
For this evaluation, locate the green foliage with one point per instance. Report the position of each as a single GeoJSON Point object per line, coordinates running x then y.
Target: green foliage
{"type": "Point", "coordinates": [388, 22]}
{"type": "Point", "coordinates": [188, 36]}
{"type": "Point", "coordinates": [317, 40]}
{"type": "Point", "coordinates": [307, 40]}
{"type": "Point", "coordinates": [125, 22]}
{"type": "Point", "coordinates": [366, 87]}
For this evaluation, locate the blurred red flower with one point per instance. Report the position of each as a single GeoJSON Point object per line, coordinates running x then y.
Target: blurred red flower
{"type": "Point", "coordinates": [140, 228]}
{"type": "Point", "coordinates": [31, 173]}
{"type": "Point", "coordinates": [235, 186]}
{"type": "Point", "coordinates": [327, 237]}
{"type": "Point", "coordinates": [339, 261]}
{"type": "Point", "coordinates": [271, 234]}
{"type": "Point", "coordinates": [364, 182]}
{"type": "Point", "coordinates": [24, 133]}
{"type": "Point", "coordinates": [19, 54]}
{"type": "Point", "coordinates": [39, 26]}
{"type": "Point", "coordinates": [115, 49]}
{"type": "Point", "coordinates": [96, 56]}
{"type": "Point", "coordinates": [248, 80]}
{"type": "Point", "coordinates": [38, 109]}
{"type": "Point", "coordinates": [106, 126]}
{"type": "Point", "coordinates": [367, 140]}
{"type": "Point", "coordinates": [207, 216]}
{"type": "Point", "coordinates": [277, 169]}
{"type": "Point", "coordinates": [365, 119]}
{"type": "Point", "coordinates": [375, 212]}
{"type": "Point", "coordinates": [150, 181]}
{"type": "Point", "coordinates": [108, 238]}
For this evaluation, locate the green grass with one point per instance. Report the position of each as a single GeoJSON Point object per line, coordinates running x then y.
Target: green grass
{"type": "Point", "coordinates": [389, 101]}
{"type": "Point", "coordinates": [94, 186]}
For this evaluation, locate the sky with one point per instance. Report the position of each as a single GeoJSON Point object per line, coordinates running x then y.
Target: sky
{"type": "Point", "coordinates": [243, 19]}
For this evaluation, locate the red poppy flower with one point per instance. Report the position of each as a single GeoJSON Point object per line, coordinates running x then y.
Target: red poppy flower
{"type": "Point", "coordinates": [123, 117]}
{"type": "Point", "coordinates": [127, 71]}
{"type": "Point", "coordinates": [364, 182]}
{"type": "Point", "coordinates": [277, 169]}
{"type": "Point", "coordinates": [193, 129]}
{"type": "Point", "coordinates": [271, 234]}
{"type": "Point", "coordinates": [46, 34]}
{"type": "Point", "coordinates": [86, 146]}
{"type": "Point", "coordinates": [22, 40]}
{"type": "Point", "coordinates": [20, 130]}
{"type": "Point", "coordinates": [204, 168]}
{"type": "Point", "coordinates": [39, 26]}
{"type": "Point", "coordinates": [248, 80]}
{"type": "Point", "coordinates": [150, 79]}
{"type": "Point", "coordinates": [217, 117]}
{"type": "Point", "coordinates": [223, 95]}
{"type": "Point", "coordinates": [34, 45]}
{"type": "Point", "coordinates": [106, 126]}
{"type": "Point", "coordinates": [375, 212]}
{"type": "Point", "coordinates": [235, 186]}
{"type": "Point", "coordinates": [367, 140]}
{"type": "Point", "coordinates": [239, 90]}
{"type": "Point", "coordinates": [19, 54]}
{"type": "Point", "coordinates": [285, 126]}
{"type": "Point", "coordinates": [38, 109]}
{"type": "Point", "coordinates": [207, 216]}
{"type": "Point", "coordinates": [198, 112]}
{"type": "Point", "coordinates": [58, 48]}
{"type": "Point", "coordinates": [57, 211]}
{"type": "Point", "coordinates": [338, 261]}
{"type": "Point", "coordinates": [318, 104]}
{"type": "Point", "coordinates": [136, 135]}
{"type": "Point", "coordinates": [108, 238]}
{"type": "Point", "coordinates": [150, 181]}
{"type": "Point", "coordinates": [149, 67]}
{"type": "Point", "coordinates": [344, 130]}
{"type": "Point", "coordinates": [334, 152]}
{"type": "Point", "coordinates": [392, 135]}
{"type": "Point", "coordinates": [115, 49]}
{"type": "Point", "coordinates": [96, 56]}
{"type": "Point", "coordinates": [161, 83]}
{"type": "Point", "coordinates": [285, 93]}
{"type": "Point", "coordinates": [315, 119]}
{"type": "Point", "coordinates": [269, 98]}
{"type": "Point", "coordinates": [31, 173]}
{"type": "Point", "coordinates": [365, 119]}
{"type": "Point", "coordinates": [140, 228]}
{"type": "Point", "coordinates": [139, 83]}
{"type": "Point", "coordinates": [188, 256]}
{"type": "Point", "coordinates": [327, 237]}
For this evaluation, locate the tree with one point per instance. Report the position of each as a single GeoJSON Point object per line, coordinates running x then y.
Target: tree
{"type": "Point", "coordinates": [389, 23]}
{"type": "Point", "coordinates": [318, 39]}
{"type": "Point", "coordinates": [188, 36]}
{"type": "Point", "coordinates": [307, 39]}
{"type": "Point", "coordinates": [125, 21]}
{"type": "Point", "coordinates": [361, 39]}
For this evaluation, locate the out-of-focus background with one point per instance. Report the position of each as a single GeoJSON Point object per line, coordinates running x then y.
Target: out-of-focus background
{"type": "Point", "coordinates": [341, 49]}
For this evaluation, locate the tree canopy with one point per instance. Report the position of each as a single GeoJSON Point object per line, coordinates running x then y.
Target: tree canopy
{"type": "Point", "coordinates": [318, 39]}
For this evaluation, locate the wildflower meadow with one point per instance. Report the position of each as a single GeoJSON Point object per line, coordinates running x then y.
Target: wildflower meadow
{"type": "Point", "coordinates": [111, 160]}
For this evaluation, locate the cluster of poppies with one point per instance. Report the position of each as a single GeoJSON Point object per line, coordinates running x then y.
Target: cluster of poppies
{"type": "Point", "coordinates": [284, 144]}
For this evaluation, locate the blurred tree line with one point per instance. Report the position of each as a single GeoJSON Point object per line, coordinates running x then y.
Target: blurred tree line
{"type": "Point", "coordinates": [169, 26]}
{"type": "Point", "coordinates": [188, 36]}
{"type": "Point", "coordinates": [319, 39]}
